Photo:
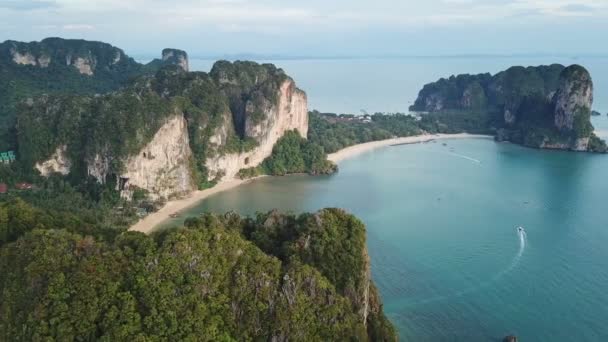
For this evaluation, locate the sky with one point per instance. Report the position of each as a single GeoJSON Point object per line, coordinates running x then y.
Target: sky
{"type": "Point", "coordinates": [318, 27]}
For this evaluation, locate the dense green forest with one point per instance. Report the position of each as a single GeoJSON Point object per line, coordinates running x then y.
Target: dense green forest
{"type": "Point", "coordinates": [52, 72]}
{"type": "Point", "coordinates": [334, 132]}
{"type": "Point", "coordinates": [220, 278]}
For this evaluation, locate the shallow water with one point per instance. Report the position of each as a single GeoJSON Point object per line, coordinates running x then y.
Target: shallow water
{"type": "Point", "coordinates": [442, 235]}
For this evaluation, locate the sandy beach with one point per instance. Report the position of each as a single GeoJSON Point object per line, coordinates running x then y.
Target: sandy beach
{"type": "Point", "coordinates": [150, 222]}
{"type": "Point", "coordinates": [354, 150]}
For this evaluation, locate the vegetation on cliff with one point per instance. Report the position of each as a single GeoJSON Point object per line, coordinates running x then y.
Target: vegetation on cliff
{"type": "Point", "coordinates": [221, 277]}
{"type": "Point", "coordinates": [49, 67]}
{"type": "Point", "coordinates": [115, 126]}
{"type": "Point", "coordinates": [293, 154]}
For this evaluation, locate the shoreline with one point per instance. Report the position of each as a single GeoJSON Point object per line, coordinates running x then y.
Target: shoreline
{"type": "Point", "coordinates": [355, 150]}
{"type": "Point", "coordinates": [150, 223]}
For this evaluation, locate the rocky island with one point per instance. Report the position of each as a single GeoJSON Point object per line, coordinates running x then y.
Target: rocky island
{"type": "Point", "coordinates": [542, 107]}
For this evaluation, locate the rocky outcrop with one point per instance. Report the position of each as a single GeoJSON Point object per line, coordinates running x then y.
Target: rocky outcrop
{"type": "Point", "coordinates": [544, 107]}
{"type": "Point", "coordinates": [84, 56]}
{"type": "Point", "coordinates": [23, 59]}
{"type": "Point", "coordinates": [58, 163]}
{"type": "Point", "coordinates": [84, 65]}
{"type": "Point", "coordinates": [289, 112]}
{"type": "Point", "coordinates": [163, 166]}
{"type": "Point", "coordinates": [176, 57]}
{"type": "Point", "coordinates": [168, 133]}
{"type": "Point", "coordinates": [574, 97]}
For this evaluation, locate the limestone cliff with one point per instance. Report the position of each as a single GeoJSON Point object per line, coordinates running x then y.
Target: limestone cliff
{"type": "Point", "coordinates": [544, 107]}
{"type": "Point", "coordinates": [168, 133]}
{"type": "Point", "coordinates": [573, 99]}
{"type": "Point", "coordinates": [176, 57]}
{"type": "Point", "coordinates": [288, 113]}
{"type": "Point", "coordinates": [163, 166]}
{"type": "Point", "coordinates": [85, 57]}
{"type": "Point", "coordinates": [57, 163]}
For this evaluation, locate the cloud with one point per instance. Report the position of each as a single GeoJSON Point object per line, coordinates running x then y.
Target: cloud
{"type": "Point", "coordinates": [78, 27]}
{"type": "Point", "coordinates": [313, 24]}
{"type": "Point", "coordinates": [26, 5]}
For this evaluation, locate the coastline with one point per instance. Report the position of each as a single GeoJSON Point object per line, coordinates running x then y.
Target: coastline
{"type": "Point", "coordinates": [149, 223]}
{"type": "Point", "coordinates": [355, 150]}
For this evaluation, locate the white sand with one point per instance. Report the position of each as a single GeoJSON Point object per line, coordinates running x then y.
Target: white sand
{"type": "Point", "coordinates": [150, 222]}
{"type": "Point", "coordinates": [354, 150]}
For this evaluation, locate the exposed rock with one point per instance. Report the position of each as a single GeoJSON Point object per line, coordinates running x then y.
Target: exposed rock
{"type": "Point", "coordinates": [24, 59]}
{"type": "Point", "coordinates": [99, 167]}
{"type": "Point", "coordinates": [289, 113]}
{"type": "Point", "coordinates": [44, 61]}
{"type": "Point", "coordinates": [85, 65]}
{"type": "Point", "coordinates": [162, 166]}
{"type": "Point", "coordinates": [58, 163]}
{"type": "Point", "coordinates": [117, 57]}
{"type": "Point", "coordinates": [179, 131]}
{"type": "Point", "coordinates": [509, 117]}
{"type": "Point", "coordinates": [574, 97]}
{"type": "Point", "coordinates": [542, 107]}
{"type": "Point", "coordinates": [176, 57]}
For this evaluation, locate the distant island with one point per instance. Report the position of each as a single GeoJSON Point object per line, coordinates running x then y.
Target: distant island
{"type": "Point", "coordinates": [542, 107]}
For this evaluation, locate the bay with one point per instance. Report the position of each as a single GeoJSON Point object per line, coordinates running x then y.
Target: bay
{"type": "Point", "coordinates": [446, 254]}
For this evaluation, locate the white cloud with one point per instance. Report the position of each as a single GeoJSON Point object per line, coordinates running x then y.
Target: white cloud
{"type": "Point", "coordinates": [309, 22]}
{"type": "Point", "coordinates": [78, 27]}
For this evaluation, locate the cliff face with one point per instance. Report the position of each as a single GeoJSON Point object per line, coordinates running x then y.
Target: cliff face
{"type": "Point", "coordinates": [84, 57]}
{"type": "Point", "coordinates": [163, 166]}
{"type": "Point", "coordinates": [288, 113]}
{"type": "Point", "coordinates": [170, 133]}
{"type": "Point", "coordinates": [574, 98]}
{"type": "Point", "coordinates": [544, 107]}
{"type": "Point", "coordinates": [57, 163]}
{"type": "Point", "coordinates": [176, 57]}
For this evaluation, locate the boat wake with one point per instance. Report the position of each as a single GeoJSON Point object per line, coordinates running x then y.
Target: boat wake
{"type": "Point", "coordinates": [522, 247]}
{"type": "Point", "coordinates": [465, 157]}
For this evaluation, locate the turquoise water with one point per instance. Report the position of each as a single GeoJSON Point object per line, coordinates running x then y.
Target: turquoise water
{"type": "Point", "coordinates": [446, 255]}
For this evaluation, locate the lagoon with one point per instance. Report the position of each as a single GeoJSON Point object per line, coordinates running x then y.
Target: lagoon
{"type": "Point", "coordinates": [442, 235]}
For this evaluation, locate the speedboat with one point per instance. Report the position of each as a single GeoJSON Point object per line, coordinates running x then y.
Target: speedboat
{"type": "Point", "coordinates": [520, 229]}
